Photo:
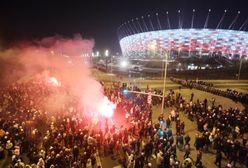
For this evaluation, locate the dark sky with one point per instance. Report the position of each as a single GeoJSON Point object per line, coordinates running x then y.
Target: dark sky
{"type": "Point", "coordinates": [99, 19]}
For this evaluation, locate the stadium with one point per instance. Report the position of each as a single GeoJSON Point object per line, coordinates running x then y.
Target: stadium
{"type": "Point", "coordinates": [187, 41]}
{"type": "Point", "coordinates": [146, 38]}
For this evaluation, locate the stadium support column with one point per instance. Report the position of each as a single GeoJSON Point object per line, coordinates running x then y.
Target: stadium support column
{"type": "Point", "coordinates": [165, 74]}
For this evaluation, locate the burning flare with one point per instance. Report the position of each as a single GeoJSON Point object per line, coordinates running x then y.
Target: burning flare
{"type": "Point", "coordinates": [54, 81]}
{"type": "Point", "coordinates": [106, 108]}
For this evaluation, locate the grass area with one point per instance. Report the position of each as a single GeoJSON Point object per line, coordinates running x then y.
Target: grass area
{"type": "Point", "coordinates": [226, 81]}
{"type": "Point", "coordinates": [245, 90]}
{"type": "Point", "coordinates": [239, 85]}
{"type": "Point", "coordinates": [108, 78]}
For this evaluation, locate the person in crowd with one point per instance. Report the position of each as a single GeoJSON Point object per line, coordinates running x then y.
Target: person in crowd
{"type": "Point", "coordinates": [64, 139]}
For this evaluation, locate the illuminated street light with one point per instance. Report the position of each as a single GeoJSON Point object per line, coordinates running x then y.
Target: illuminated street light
{"type": "Point", "coordinates": [97, 54]}
{"type": "Point", "coordinates": [106, 53]}
{"type": "Point", "coordinates": [240, 66]}
{"type": "Point", "coordinates": [165, 74]}
{"type": "Point", "coordinates": [153, 46]}
{"type": "Point", "coordinates": [124, 63]}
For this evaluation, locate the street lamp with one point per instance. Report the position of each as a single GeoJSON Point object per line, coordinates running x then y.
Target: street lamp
{"type": "Point", "coordinates": [153, 46]}
{"type": "Point", "coordinates": [106, 53]}
{"type": "Point", "coordinates": [124, 63]}
{"type": "Point", "coordinates": [240, 66]}
{"type": "Point", "coordinates": [92, 57]}
{"type": "Point", "coordinates": [106, 60]}
{"type": "Point", "coordinates": [165, 75]}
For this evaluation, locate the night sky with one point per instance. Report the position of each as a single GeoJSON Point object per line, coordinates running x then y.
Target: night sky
{"type": "Point", "coordinates": [99, 19]}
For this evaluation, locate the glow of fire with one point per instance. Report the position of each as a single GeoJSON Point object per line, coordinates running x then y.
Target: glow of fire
{"type": "Point", "coordinates": [54, 81]}
{"type": "Point", "coordinates": [106, 108]}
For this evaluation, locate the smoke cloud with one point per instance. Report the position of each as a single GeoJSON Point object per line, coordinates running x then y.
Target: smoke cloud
{"type": "Point", "coordinates": [54, 56]}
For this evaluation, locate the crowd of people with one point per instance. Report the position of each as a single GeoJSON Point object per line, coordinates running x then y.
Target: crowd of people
{"type": "Point", "coordinates": [221, 130]}
{"type": "Point", "coordinates": [32, 137]}
{"type": "Point", "coordinates": [209, 87]}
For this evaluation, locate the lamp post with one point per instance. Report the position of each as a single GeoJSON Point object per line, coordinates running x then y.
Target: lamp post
{"type": "Point", "coordinates": [97, 54]}
{"type": "Point", "coordinates": [240, 66]}
{"type": "Point", "coordinates": [154, 49]}
{"type": "Point", "coordinates": [165, 75]}
{"type": "Point", "coordinates": [153, 46]}
{"type": "Point", "coordinates": [92, 57]}
{"type": "Point", "coordinates": [106, 55]}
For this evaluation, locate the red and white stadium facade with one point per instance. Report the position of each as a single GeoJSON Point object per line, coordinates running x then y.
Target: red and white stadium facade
{"type": "Point", "coordinates": [145, 36]}
{"type": "Point", "coordinates": [226, 42]}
